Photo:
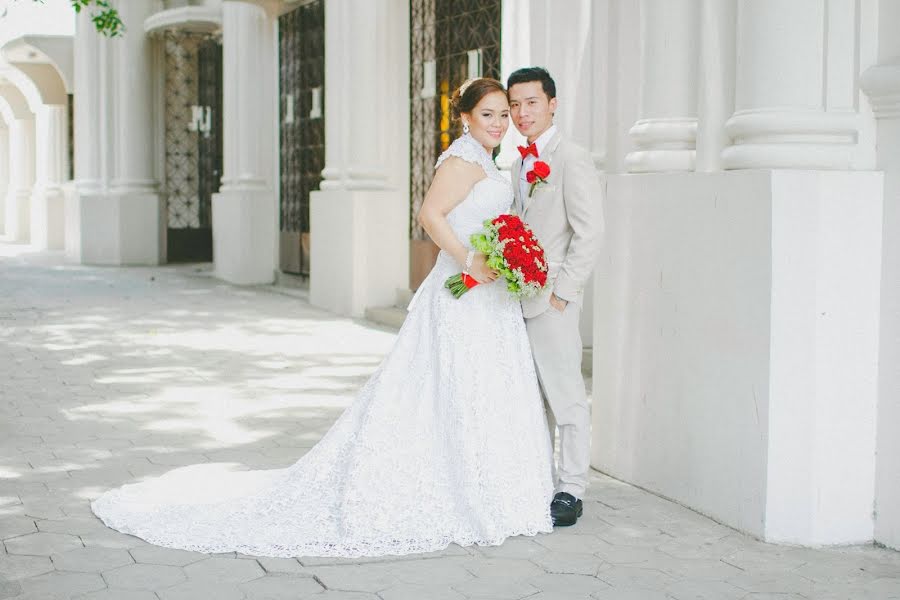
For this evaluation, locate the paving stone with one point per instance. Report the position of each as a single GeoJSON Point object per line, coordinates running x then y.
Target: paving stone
{"type": "Point", "coordinates": [202, 590]}
{"type": "Point", "coordinates": [629, 578]}
{"type": "Point", "coordinates": [42, 544]}
{"type": "Point", "coordinates": [15, 526]}
{"type": "Point", "coordinates": [356, 578]}
{"type": "Point", "coordinates": [442, 571]}
{"type": "Point", "coordinates": [407, 591]}
{"type": "Point", "coordinates": [74, 526]}
{"type": "Point", "coordinates": [568, 584]}
{"type": "Point", "coordinates": [89, 560]}
{"type": "Point", "coordinates": [772, 582]}
{"type": "Point", "coordinates": [118, 594]}
{"type": "Point", "coordinates": [144, 577]}
{"type": "Point", "coordinates": [280, 587]}
{"type": "Point", "coordinates": [496, 588]}
{"type": "Point", "coordinates": [157, 555]}
{"type": "Point", "coordinates": [8, 589]}
{"type": "Point", "coordinates": [620, 594]}
{"type": "Point", "coordinates": [19, 567]}
{"type": "Point", "coordinates": [50, 584]}
{"type": "Point", "coordinates": [569, 563]}
{"type": "Point", "coordinates": [69, 440]}
{"type": "Point", "coordinates": [559, 596]}
{"type": "Point", "coordinates": [224, 570]}
{"type": "Point", "coordinates": [695, 589]}
{"type": "Point", "coordinates": [517, 547]}
{"type": "Point", "coordinates": [502, 568]}
{"type": "Point", "coordinates": [330, 595]}
{"type": "Point", "coordinates": [631, 535]}
{"type": "Point", "coordinates": [283, 565]}
{"type": "Point", "coordinates": [109, 538]}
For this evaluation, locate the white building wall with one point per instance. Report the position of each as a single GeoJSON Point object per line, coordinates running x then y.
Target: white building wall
{"type": "Point", "coordinates": [736, 333]}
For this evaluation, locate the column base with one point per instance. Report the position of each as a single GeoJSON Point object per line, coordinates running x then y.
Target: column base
{"type": "Point", "coordinates": [736, 357]}
{"type": "Point", "coordinates": [18, 215]}
{"type": "Point", "coordinates": [245, 236]}
{"type": "Point", "coordinates": [48, 218]}
{"type": "Point", "coordinates": [359, 253]}
{"type": "Point", "coordinates": [113, 229]}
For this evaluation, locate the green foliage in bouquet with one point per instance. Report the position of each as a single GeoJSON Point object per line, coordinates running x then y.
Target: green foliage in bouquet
{"type": "Point", "coordinates": [488, 242]}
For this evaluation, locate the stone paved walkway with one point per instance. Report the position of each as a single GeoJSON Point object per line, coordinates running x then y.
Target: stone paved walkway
{"type": "Point", "coordinates": [109, 375]}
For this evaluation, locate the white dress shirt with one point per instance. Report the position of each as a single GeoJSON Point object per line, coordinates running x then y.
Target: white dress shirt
{"type": "Point", "coordinates": [528, 162]}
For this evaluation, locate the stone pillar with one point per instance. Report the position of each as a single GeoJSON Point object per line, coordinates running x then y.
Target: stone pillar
{"type": "Point", "coordinates": [666, 130]}
{"type": "Point", "coordinates": [133, 188]}
{"type": "Point", "coordinates": [4, 173]}
{"type": "Point", "coordinates": [244, 212]}
{"type": "Point", "coordinates": [364, 199]}
{"type": "Point", "coordinates": [21, 179]}
{"type": "Point", "coordinates": [716, 81]}
{"type": "Point", "coordinates": [84, 198]}
{"type": "Point", "coordinates": [882, 84]}
{"type": "Point", "coordinates": [47, 200]}
{"type": "Point", "coordinates": [90, 145]}
{"type": "Point", "coordinates": [796, 101]}
{"type": "Point", "coordinates": [113, 211]}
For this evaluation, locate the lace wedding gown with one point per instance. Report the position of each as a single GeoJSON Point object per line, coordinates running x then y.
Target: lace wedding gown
{"type": "Point", "coordinates": [446, 443]}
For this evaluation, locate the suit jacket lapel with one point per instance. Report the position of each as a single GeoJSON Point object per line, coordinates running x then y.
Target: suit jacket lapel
{"type": "Point", "coordinates": [547, 157]}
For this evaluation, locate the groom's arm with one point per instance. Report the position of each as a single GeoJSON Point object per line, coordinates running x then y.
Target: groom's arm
{"type": "Point", "coordinates": [582, 195]}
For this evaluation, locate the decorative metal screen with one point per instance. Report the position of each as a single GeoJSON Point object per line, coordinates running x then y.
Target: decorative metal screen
{"type": "Point", "coordinates": [444, 33]}
{"type": "Point", "coordinates": [301, 43]}
{"type": "Point", "coordinates": [209, 143]}
{"type": "Point", "coordinates": [193, 124]}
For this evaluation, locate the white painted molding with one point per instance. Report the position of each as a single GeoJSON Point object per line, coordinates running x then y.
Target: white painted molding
{"type": "Point", "coordinates": [187, 18]}
{"type": "Point", "coordinates": [882, 85]}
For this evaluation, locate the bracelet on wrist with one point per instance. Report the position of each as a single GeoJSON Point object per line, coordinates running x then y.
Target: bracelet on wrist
{"type": "Point", "coordinates": [469, 258]}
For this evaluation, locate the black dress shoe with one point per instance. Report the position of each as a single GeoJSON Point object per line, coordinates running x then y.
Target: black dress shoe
{"type": "Point", "coordinates": [565, 509]}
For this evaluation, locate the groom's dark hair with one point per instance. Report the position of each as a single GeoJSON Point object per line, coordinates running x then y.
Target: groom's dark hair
{"type": "Point", "coordinates": [534, 74]}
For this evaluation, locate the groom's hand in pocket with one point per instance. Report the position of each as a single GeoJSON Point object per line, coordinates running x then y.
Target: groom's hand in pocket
{"type": "Point", "coordinates": [558, 303]}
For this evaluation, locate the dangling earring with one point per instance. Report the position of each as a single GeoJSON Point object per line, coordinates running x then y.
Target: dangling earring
{"type": "Point", "coordinates": [465, 128]}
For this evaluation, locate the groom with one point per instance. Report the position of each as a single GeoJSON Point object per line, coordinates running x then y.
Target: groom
{"type": "Point", "coordinates": [558, 193]}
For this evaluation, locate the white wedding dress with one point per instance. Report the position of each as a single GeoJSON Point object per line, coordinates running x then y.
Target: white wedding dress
{"type": "Point", "coordinates": [446, 443]}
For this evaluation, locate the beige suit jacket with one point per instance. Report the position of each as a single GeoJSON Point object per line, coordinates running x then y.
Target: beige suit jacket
{"type": "Point", "coordinates": [566, 215]}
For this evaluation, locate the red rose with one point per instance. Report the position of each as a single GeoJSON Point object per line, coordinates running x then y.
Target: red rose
{"type": "Point", "coordinates": [530, 177]}
{"type": "Point", "coordinates": [541, 169]}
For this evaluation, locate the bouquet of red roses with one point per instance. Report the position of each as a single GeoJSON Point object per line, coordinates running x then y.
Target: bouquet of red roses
{"type": "Point", "coordinates": [513, 251]}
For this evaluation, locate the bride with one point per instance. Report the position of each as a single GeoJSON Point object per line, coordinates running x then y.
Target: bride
{"type": "Point", "coordinates": [447, 441]}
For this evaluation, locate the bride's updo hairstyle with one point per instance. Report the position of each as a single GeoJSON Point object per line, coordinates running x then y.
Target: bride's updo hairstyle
{"type": "Point", "coordinates": [468, 95]}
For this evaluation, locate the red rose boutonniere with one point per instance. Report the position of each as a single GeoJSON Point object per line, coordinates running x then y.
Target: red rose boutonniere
{"type": "Point", "coordinates": [537, 175]}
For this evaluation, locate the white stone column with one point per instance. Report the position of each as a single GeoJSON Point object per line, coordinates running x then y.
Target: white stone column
{"type": "Point", "coordinates": [666, 130]}
{"type": "Point", "coordinates": [91, 231]}
{"type": "Point", "coordinates": [89, 144]}
{"type": "Point", "coordinates": [133, 188]}
{"type": "Point", "coordinates": [796, 104]}
{"type": "Point", "coordinates": [47, 200]}
{"type": "Point", "coordinates": [4, 172]}
{"type": "Point", "coordinates": [716, 81]}
{"type": "Point", "coordinates": [21, 179]}
{"type": "Point", "coordinates": [882, 85]}
{"type": "Point", "coordinates": [244, 212]}
{"type": "Point", "coordinates": [364, 199]}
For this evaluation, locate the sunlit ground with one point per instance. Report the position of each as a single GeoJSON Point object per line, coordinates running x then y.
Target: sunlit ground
{"type": "Point", "coordinates": [111, 375]}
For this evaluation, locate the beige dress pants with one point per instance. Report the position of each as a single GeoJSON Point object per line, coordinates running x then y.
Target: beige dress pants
{"type": "Point", "coordinates": [556, 346]}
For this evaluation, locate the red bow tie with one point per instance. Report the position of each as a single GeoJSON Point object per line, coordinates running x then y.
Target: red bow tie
{"type": "Point", "coordinates": [526, 150]}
